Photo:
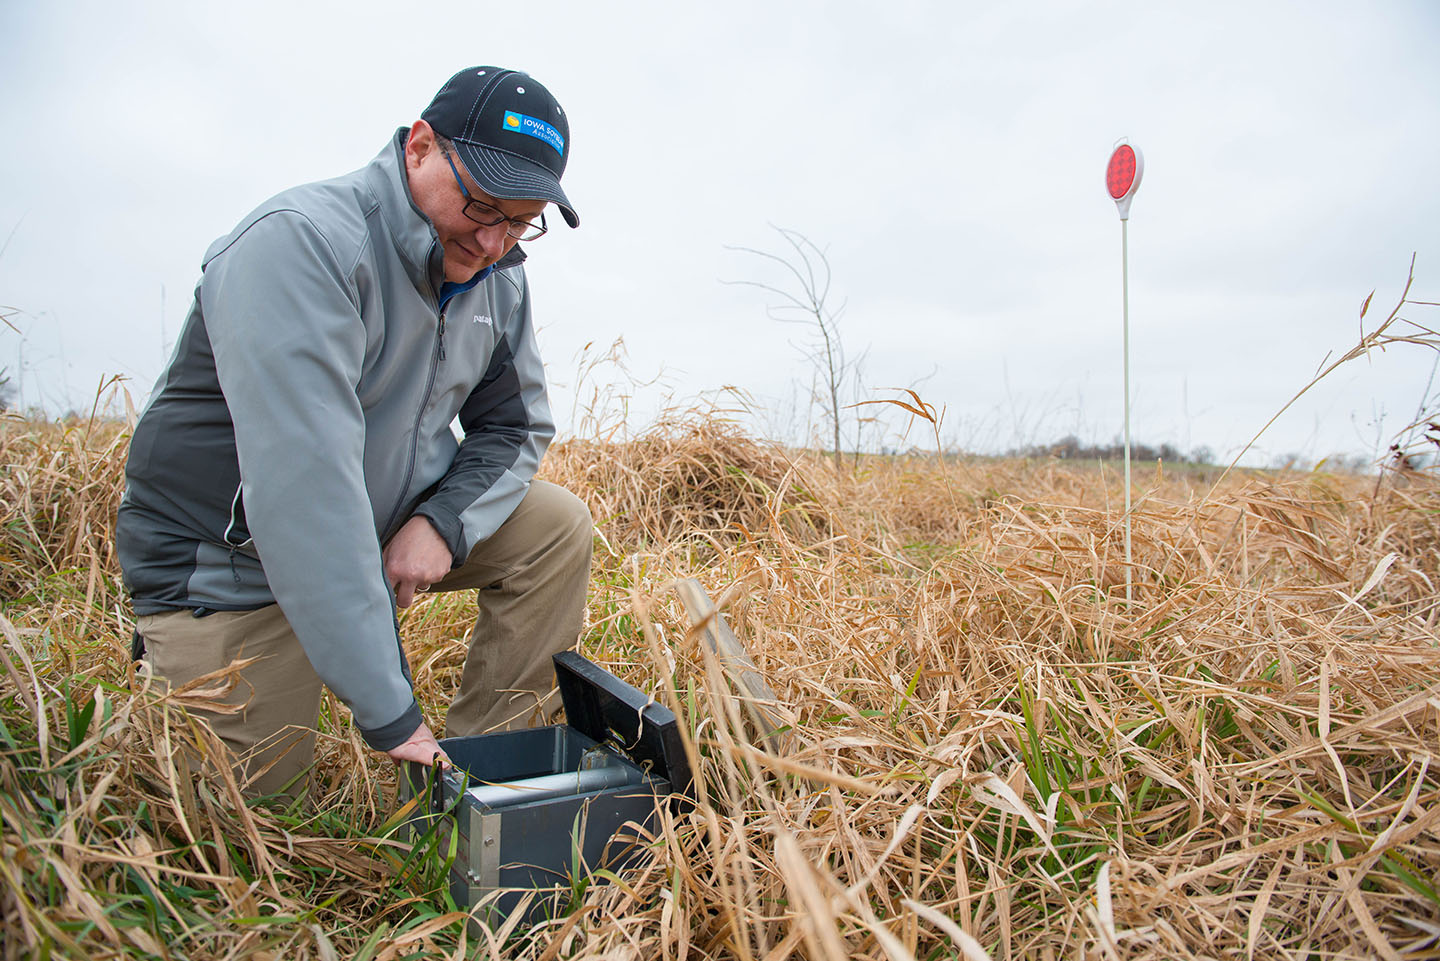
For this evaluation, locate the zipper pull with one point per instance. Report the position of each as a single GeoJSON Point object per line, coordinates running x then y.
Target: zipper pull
{"type": "Point", "coordinates": [442, 336]}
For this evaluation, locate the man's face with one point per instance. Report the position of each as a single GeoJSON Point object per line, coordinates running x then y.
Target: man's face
{"type": "Point", "coordinates": [468, 247]}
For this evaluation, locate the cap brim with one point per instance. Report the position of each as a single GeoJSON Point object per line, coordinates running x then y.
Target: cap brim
{"type": "Point", "coordinates": [509, 177]}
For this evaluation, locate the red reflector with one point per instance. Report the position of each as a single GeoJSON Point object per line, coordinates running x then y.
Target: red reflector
{"type": "Point", "coordinates": [1120, 175]}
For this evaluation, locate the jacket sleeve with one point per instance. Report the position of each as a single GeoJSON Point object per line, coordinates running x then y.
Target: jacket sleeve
{"type": "Point", "coordinates": [507, 427]}
{"type": "Point", "coordinates": [285, 326]}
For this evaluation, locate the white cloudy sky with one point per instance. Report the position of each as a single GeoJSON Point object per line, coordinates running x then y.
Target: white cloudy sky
{"type": "Point", "coordinates": [949, 157]}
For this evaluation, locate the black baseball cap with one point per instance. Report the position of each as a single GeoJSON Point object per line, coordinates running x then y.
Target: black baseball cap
{"type": "Point", "coordinates": [509, 131]}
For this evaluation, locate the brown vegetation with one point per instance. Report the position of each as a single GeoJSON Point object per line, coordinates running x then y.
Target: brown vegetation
{"type": "Point", "coordinates": [991, 753]}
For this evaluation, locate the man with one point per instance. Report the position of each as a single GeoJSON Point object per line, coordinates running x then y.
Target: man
{"type": "Point", "coordinates": [294, 476]}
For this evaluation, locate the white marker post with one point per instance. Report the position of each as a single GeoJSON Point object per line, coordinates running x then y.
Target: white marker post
{"type": "Point", "coordinates": [1122, 179]}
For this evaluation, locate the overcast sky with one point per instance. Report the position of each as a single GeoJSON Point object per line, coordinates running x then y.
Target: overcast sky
{"type": "Point", "coordinates": [949, 157]}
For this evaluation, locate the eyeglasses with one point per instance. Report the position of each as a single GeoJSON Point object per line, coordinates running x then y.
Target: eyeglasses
{"type": "Point", "coordinates": [487, 216]}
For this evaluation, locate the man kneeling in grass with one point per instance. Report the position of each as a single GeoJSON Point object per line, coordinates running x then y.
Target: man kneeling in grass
{"type": "Point", "coordinates": [294, 477]}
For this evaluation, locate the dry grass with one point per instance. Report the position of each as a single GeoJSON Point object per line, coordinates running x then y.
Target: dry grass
{"type": "Point", "coordinates": [991, 753]}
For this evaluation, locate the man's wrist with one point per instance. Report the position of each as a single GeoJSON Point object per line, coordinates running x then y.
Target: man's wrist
{"type": "Point", "coordinates": [449, 528]}
{"type": "Point", "coordinates": [397, 732]}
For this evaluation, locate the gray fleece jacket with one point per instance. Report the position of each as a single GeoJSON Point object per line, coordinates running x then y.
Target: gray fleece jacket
{"type": "Point", "coordinates": [306, 416]}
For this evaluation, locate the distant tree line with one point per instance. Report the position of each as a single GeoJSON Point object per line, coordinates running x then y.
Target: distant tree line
{"type": "Point", "coordinates": [1070, 447]}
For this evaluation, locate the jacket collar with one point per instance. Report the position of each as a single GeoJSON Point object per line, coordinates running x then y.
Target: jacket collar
{"type": "Point", "coordinates": [410, 230]}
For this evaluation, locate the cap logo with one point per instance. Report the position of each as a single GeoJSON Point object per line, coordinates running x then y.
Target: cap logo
{"type": "Point", "coordinates": [533, 127]}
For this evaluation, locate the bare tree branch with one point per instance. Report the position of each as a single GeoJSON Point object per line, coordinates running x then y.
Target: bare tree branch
{"type": "Point", "coordinates": [808, 296]}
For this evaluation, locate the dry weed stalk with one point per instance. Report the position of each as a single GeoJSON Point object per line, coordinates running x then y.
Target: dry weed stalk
{"type": "Point", "coordinates": [991, 754]}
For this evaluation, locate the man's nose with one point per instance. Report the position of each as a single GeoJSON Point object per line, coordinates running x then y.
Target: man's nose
{"type": "Point", "coordinates": [492, 239]}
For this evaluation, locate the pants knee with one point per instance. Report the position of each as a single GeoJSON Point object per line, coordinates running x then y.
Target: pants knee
{"type": "Point", "coordinates": [574, 525]}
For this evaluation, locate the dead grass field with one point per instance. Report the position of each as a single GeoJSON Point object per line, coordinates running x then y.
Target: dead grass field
{"type": "Point", "coordinates": [991, 754]}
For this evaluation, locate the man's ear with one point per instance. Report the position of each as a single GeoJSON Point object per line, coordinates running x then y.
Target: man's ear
{"type": "Point", "coordinates": [419, 144]}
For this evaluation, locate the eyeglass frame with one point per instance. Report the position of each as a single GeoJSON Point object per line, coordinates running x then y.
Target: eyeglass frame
{"type": "Point", "coordinates": [540, 229]}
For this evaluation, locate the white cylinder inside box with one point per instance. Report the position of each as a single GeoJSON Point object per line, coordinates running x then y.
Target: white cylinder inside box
{"type": "Point", "coordinates": [564, 784]}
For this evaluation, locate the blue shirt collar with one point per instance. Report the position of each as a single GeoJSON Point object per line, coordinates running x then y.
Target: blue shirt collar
{"type": "Point", "coordinates": [450, 289]}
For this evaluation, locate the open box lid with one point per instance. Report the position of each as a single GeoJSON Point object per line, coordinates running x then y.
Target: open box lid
{"type": "Point", "coordinates": [601, 706]}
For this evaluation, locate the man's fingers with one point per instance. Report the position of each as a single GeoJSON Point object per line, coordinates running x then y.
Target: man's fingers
{"type": "Point", "coordinates": [420, 746]}
{"type": "Point", "coordinates": [426, 754]}
{"type": "Point", "coordinates": [405, 591]}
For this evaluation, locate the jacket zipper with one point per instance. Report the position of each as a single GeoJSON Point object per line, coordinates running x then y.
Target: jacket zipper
{"type": "Point", "coordinates": [438, 356]}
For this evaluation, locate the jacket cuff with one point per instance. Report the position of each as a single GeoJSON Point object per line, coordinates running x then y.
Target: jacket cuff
{"type": "Point", "coordinates": [397, 732]}
{"type": "Point", "coordinates": [448, 526]}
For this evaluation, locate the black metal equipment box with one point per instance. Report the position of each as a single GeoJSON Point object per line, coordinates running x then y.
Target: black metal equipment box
{"type": "Point", "coordinates": [528, 803]}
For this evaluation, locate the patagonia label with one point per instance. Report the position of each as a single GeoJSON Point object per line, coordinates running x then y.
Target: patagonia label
{"type": "Point", "coordinates": [534, 127]}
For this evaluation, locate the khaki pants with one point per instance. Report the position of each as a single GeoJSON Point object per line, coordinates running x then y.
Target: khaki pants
{"type": "Point", "coordinates": [530, 579]}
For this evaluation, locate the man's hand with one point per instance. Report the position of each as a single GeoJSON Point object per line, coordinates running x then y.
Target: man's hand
{"type": "Point", "coordinates": [421, 746]}
{"type": "Point", "coordinates": [414, 559]}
